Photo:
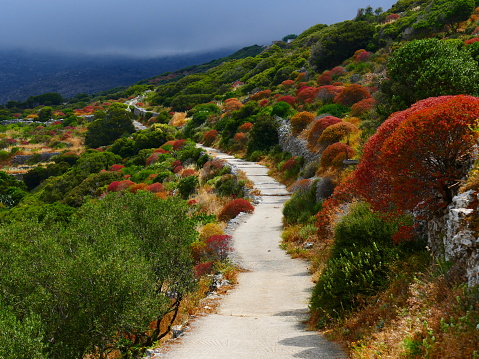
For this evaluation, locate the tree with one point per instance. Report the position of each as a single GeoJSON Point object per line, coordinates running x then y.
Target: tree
{"type": "Point", "coordinates": [115, 123]}
{"type": "Point", "coordinates": [428, 68]}
{"type": "Point", "coordinates": [338, 42]}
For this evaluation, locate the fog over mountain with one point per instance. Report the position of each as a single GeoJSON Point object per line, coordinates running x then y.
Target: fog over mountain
{"type": "Point", "coordinates": [24, 74]}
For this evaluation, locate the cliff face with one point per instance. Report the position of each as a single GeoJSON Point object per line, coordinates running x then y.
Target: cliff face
{"type": "Point", "coordinates": [454, 238]}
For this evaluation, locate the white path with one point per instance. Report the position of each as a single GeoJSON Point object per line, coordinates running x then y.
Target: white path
{"type": "Point", "coordinates": [262, 317]}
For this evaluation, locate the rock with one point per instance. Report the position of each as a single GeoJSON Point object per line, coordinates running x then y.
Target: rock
{"type": "Point", "coordinates": [177, 331]}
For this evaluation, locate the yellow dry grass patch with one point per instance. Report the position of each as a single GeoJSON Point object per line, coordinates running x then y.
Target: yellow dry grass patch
{"type": "Point", "coordinates": [179, 119]}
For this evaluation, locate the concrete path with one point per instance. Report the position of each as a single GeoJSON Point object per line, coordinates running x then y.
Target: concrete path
{"type": "Point", "coordinates": [262, 317]}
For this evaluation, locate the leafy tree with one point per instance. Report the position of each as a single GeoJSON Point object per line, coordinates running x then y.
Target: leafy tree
{"type": "Point", "coordinates": [428, 68]}
{"type": "Point", "coordinates": [264, 134]}
{"type": "Point", "coordinates": [103, 131]}
{"type": "Point", "coordinates": [338, 42]}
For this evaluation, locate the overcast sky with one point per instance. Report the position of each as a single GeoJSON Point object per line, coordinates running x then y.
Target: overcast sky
{"type": "Point", "coordinates": [157, 27]}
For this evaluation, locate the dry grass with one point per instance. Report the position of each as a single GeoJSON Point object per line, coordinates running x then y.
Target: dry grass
{"type": "Point", "coordinates": [209, 202]}
{"type": "Point", "coordinates": [179, 119]}
{"type": "Point", "coordinates": [426, 315]}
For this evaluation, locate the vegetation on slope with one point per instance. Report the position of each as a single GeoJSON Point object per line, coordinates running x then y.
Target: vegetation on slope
{"type": "Point", "coordinates": [372, 130]}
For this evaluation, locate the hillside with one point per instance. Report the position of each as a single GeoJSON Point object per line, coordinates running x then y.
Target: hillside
{"type": "Point", "coordinates": [372, 125]}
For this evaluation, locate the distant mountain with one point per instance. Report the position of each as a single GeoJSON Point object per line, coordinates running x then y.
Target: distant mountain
{"type": "Point", "coordinates": [24, 74]}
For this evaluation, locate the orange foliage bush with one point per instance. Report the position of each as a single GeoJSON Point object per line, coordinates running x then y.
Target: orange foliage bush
{"type": "Point", "coordinates": [210, 137]}
{"type": "Point", "coordinates": [232, 104]}
{"type": "Point", "coordinates": [334, 155]}
{"type": "Point", "coordinates": [300, 121]}
{"type": "Point", "coordinates": [260, 95]}
{"type": "Point", "coordinates": [335, 133]}
{"type": "Point", "coordinates": [246, 127]}
{"type": "Point", "coordinates": [352, 94]}
{"type": "Point", "coordinates": [363, 106]}
{"type": "Point", "coordinates": [240, 137]}
{"type": "Point", "coordinates": [187, 172]}
{"type": "Point", "coordinates": [124, 185]}
{"type": "Point", "coordinates": [138, 187]}
{"type": "Point", "coordinates": [288, 83]}
{"type": "Point", "coordinates": [306, 94]}
{"type": "Point", "coordinates": [324, 79]}
{"type": "Point", "coordinates": [235, 207]}
{"type": "Point", "coordinates": [116, 168]}
{"type": "Point", "coordinates": [288, 99]}
{"type": "Point", "coordinates": [317, 129]}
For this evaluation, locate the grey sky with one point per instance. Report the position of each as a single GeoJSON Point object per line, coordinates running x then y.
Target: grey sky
{"type": "Point", "coordinates": [156, 27]}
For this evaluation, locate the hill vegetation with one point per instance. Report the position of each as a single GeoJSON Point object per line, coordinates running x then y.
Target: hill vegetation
{"type": "Point", "coordinates": [371, 122]}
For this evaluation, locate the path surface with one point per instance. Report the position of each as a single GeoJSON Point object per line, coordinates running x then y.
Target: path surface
{"type": "Point", "coordinates": [262, 317]}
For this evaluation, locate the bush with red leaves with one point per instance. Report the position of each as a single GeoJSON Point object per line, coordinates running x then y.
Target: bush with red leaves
{"type": "Point", "coordinates": [155, 187]}
{"type": "Point", "coordinates": [138, 187]}
{"type": "Point", "coordinates": [392, 17]}
{"type": "Point", "coordinates": [218, 246]}
{"type": "Point", "coordinates": [300, 121]}
{"type": "Point", "coordinates": [235, 207]}
{"type": "Point", "coordinates": [352, 94]}
{"type": "Point", "coordinates": [306, 94]}
{"type": "Point", "coordinates": [325, 79]}
{"type": "Point", "coordinates": [246, 127]}
{"type": "Point", "coordinates": [210, 137]}
{"type": "Point", "coordinates": [288, 83]}
{"type": "Point", "coordinates": [317, 130]}
{"type": "Point", "coordinates": [116, 168]}
{"type": "Point", "coordinates": [288, 99]}
{"type": "Point", "coordinates": [202, 269]}
{"type": "Point", "coordinates": [334, 155]}
{"type": "Point", "coordinates": [363, 106]}
{"type": "Point", "coordinates": [260, 95]}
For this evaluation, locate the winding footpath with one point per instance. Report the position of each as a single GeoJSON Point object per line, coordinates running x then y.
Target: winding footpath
{"type": "Point", "coordinates": [263, 316]}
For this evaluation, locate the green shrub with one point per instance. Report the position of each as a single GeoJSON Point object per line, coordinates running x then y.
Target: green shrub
{"type": "Point", "coordinates": [302, 206]}
{"type": "Point", "coordinates": [334, 109]}
{"type": "Point", "coordinates": [359, 263]}
{"type": "Point", "coordinates": [187, 186]}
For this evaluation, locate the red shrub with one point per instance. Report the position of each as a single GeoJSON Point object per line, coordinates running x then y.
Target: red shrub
{"type": "Point", "coordinates": [392, 17]}
{"type": "Point", "coordinates": [362, 56]}
{"type": "Point", "coordinates": [235, 207]}
{"type": "Point", "coordinates": [417, 156]}
{"type": "Point", "coordinates": [288, 83]}
{"type": "Point", "coordinates": [289, 164]}
{"type": "Point", "coordinates": [116, 168]}
{"type": "Point", "coordinates": [300, 121]}
{"type": "Point", "coordinates": [324, 79]}
{"type": "Point", "coordinates": [471, 41]}
{"type": "Point", "coordinates": [328, 93]}
{"type": "Point", "coordinates": [337, 71]}
{"type": "Point", "coordinates": [240, 137]}
{"type": "Point", "coordinates": [155, 187]}
{"type": "Point", "coordinates": [218, 246]}
{"type": "Point", "coordinates": [246, 127]}
{"type": "Point", "coordinates": [334, 155]}
{"type": "Point", "coordinates": [260, 95]}
{"type": "Point", "coordinates": [202, 269]}
{"type": "Point", "coordinates": [152, 158]}
{"type": "Point", "coordinates": [317, 130]}
{"type": "Point", "coordinates": [160, 151]}
{"type": "Point", "coordinates": [210, 137]}
{"type": "Point", "coordinates": [232, 104]}
{"type": "Point", "coordinates": [288, 99]}
{"type": "Point", "coordinates": [352, 94]}
{"type": "Point", "coordinates": [176, 164]}
{"type": "Point", "coordinates": [363, 106]}
{"type": "Point", "coordinates": [138, 187]}
{"type": "Point", "coordinates": [177, 144]}
{"type": "Point", "coordinates": [124, 185]}
{"type": "Point", "coordinates": [264, 103]}
{"type": "Point", "coordinates": [306, 94]}
{"type": "Point", "coordinates": [113, 187]}
{"type": "Point", "coordinates": [187, 172]}
{"type": "Point", "coordinates": [178, 169]}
